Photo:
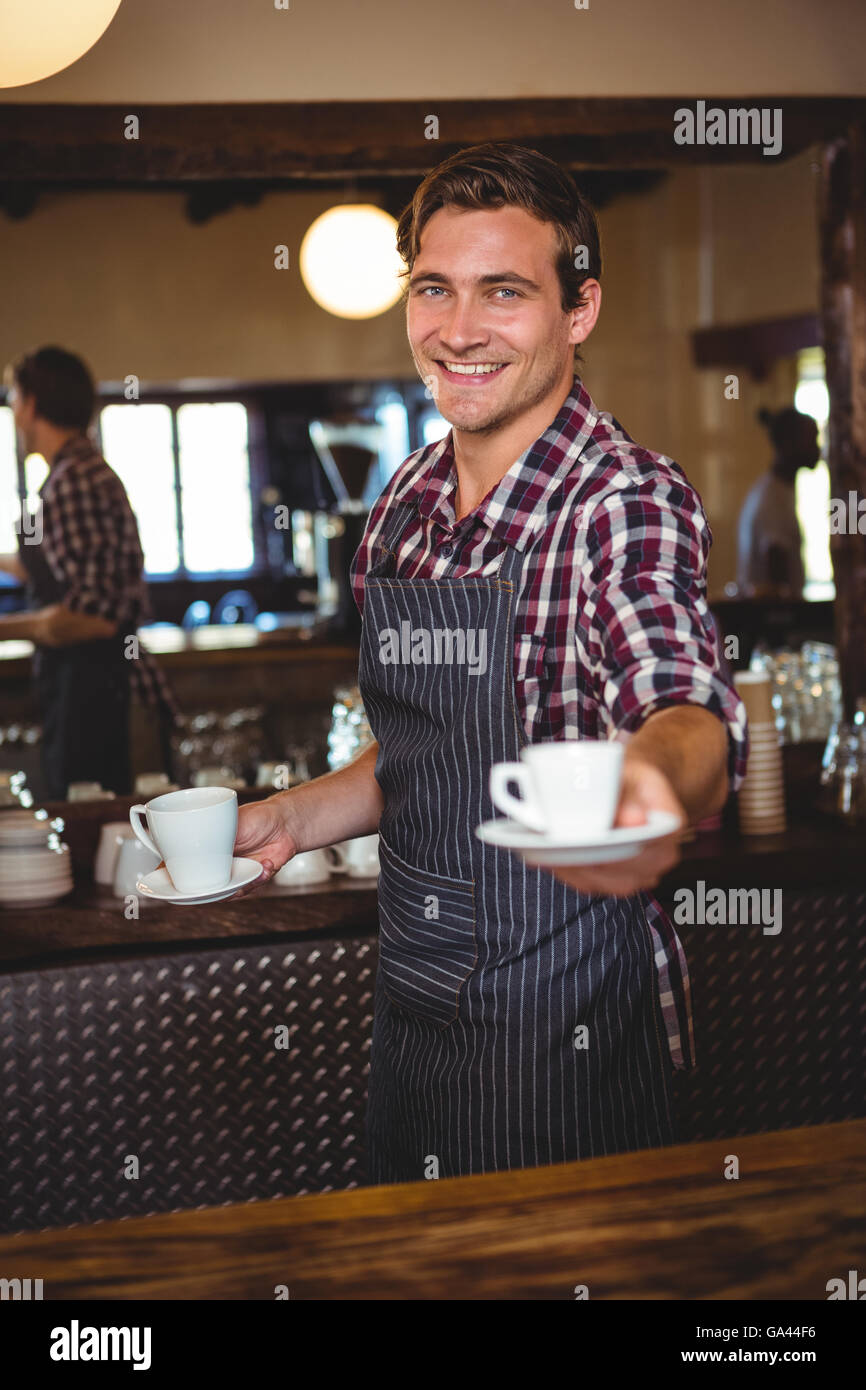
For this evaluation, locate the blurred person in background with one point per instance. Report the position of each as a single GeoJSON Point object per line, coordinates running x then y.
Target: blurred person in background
{"type": "Point", "coordinates": [81, 559]}
{"type": "Point", "coordinates": [769, 540]}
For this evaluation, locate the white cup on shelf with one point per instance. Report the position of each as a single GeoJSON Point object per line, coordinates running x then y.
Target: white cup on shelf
{"type": "Point", "coordinates": [359, 858]}
{"type": "Point", "coordinates": [111, 837]}
{"type": "Point", "coordinates": [133, 859]}
{"type": "Point", "coordinates": [311, 866]}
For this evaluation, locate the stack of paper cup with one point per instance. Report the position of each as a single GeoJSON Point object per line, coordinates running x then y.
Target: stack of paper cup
{"type": "Point", "coordinates": [762, 795]}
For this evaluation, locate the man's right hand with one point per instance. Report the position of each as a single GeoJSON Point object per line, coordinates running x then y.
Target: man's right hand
{"type": "Point", "coordinates": [263, 835]}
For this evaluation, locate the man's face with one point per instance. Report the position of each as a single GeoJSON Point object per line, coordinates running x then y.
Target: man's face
{"type": "Point", "coordinates": [484, 291]}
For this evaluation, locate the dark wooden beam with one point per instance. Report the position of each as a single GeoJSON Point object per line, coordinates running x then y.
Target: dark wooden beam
{"type": "Point", "coordinates": [321, 140]}
{"type": "Point", "coordinates": [755, 345]}
{"type": "Point", "coordinates": [209, 198]}
{"type": "Point", "coordinates": [843, 309]}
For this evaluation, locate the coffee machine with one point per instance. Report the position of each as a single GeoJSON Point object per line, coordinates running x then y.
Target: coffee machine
{"type": "Point", "coordinates": [324, 542]}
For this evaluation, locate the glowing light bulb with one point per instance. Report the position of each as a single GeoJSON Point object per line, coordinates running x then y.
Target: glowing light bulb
{"type": "Point", "coordinates": [41, 37]}
{"type": "Point", "coordinates": [349, 261]}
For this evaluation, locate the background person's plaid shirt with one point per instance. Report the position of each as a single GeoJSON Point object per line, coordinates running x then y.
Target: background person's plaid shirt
{"type": "Point", "coordinates": [611, 621]}
{"type": "Point", "coordinates": [91, 546]}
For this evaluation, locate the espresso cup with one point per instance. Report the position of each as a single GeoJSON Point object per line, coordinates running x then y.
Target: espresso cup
{"type": "Point", "coordinates": [194, 831]}
{"type": "Point", "coordinates": [359, 858]}
{"type": "Point", "coordinates": [313, 866]}
{"type": "Point", "coordinates": [567, 788]}
{"type": "Point", "coordinates": [111, 837]}
{"type": "Point", "coordinates": [133, 860]}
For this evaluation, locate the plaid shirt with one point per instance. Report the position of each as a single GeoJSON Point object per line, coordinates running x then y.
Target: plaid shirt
{"type": "Point", "coordinates": [611, 621]}
{"type": "Point", "coordinates": [92, 548]}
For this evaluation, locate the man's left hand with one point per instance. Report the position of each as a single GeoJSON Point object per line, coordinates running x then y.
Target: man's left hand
{"type": "Point", "coordinates": [644, 788]}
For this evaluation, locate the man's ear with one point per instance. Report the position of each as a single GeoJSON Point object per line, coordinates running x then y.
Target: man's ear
{"type": "Point", "coordinates": [584, 318]}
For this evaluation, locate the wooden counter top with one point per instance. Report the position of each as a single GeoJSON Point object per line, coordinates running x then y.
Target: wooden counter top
{"type": "Point", "coordinates": [659, 1224]}
{"type": "Point", "coordinates": [214, 645]}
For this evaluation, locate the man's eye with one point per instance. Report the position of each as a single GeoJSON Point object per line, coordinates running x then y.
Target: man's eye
{"type": "Point", "coordinates": [506, 290]}
{"type": "Point", "coordinates": [430, 289]}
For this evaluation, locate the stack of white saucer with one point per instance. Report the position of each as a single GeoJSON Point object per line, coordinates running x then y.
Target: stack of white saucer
{"type": "Point", "coordinates": [762, 795]}
{"type": "Point", "coordinates": [35, 867]}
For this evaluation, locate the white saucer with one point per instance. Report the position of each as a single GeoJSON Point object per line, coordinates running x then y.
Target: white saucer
{"type": "Point", "coordinates": [157, 884]}
{"type": "Point", "coordinates": [596, 847]}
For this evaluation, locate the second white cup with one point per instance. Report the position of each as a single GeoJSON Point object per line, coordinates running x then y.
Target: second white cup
{"type": "Point", "coordinates": [194, 831]}
{"type": "Point", "coordinates": [569, 787]}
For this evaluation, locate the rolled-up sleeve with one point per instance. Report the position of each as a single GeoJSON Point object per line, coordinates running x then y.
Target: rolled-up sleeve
{"type": "Point", "coordinates": [645, 633]}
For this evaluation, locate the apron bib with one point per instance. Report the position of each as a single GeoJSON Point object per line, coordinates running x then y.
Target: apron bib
{"type": "Point", "coordinates": [517, 1021]}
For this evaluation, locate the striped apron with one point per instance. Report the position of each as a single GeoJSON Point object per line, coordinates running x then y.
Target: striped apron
{"type": "Point", "coordinates": [517, 1021]}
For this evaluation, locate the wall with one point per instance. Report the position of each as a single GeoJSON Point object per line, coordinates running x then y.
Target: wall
{"type": "Point", "coordinates": [126, 281]}
{"type": "Point", "coordinates": [718, 246]}
{"type": "Point", "coordinates": [222, 50]}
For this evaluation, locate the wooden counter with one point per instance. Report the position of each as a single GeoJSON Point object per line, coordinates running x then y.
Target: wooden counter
{"type": "Point", "coordinates": [214, 645]}
{"type": "Point", "coordinates": [659, 1224]}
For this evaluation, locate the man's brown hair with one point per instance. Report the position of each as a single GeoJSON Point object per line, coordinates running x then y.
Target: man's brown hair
{"type": "Point", "coordinates": [60, 384]}
{"type": "Point", "coordinates": [501, 174]}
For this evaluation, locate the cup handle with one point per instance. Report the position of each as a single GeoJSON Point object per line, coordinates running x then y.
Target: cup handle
{"type": "Point", "coordinates": [339, 856]}
{"type": "Point", "coordinates": [134, 813]}
{"type": "Point", "coordinates": [520, 809]}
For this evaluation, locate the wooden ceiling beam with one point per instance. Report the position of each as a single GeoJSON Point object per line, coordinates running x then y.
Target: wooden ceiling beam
{"type": "Point", "coordinates": [324, 140]}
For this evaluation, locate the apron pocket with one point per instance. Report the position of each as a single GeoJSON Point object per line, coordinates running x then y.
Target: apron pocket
{"type": "Point", "coordinates": [427, 945]}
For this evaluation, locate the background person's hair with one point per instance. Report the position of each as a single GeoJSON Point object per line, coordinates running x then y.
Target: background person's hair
{"type": "Point", "coordinates": [783, 426]}
{"type": "Point", "coordinates": [500, 174]}
{"type": "Point", "coordinates": [60, 383]}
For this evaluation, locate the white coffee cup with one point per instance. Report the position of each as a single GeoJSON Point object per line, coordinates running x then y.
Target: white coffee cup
{"type": "Point", "coordinates": [133, 860]}
{"type": "Point", "coordinates": [313, 866]}
{"type": "Point", "coordinates": [568, 787]}
{"type": "Point", "coordinates": [111, 836]}
{"type": "Point", "coordinates": [194, 831]}
{"type": "Point", "coordinates": [153, 783]}
{"type": "Point", "coordinates": [359, 857]}
{"type": "Point", "coordinates": [87, 791]}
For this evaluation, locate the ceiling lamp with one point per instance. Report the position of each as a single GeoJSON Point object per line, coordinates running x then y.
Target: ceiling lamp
{"type": "Point", "coordinates": [38, 39]}
{"type": "Point", "coordinates": [350, 263]}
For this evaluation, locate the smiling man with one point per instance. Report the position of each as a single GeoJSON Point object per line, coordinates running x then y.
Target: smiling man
{"type": "Point", "coordinates": [523, 1015]}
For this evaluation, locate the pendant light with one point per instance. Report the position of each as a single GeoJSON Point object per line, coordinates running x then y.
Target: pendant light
{"type": "Point", "coordinates": [41, 37]}
{"type": "Point", "coordinates": [349, 261]}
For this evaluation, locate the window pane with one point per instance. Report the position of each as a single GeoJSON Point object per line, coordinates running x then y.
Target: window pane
{"type": "Point", "coordinates": [35, 473]}
{"type": "Point", "coordinates": [812, 487]}
{"type": "Point", "coordinates": [10, 507]}
{"type": "Point", "coordinates": [434, 428]}
{"type": "Point", "coordinates": [215, 487]}
{"type": "Point", "coordinates": [136, 440]}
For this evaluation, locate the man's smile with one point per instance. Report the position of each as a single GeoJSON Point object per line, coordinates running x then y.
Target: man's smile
{"type": "Point", "coordinates": [464, 373]}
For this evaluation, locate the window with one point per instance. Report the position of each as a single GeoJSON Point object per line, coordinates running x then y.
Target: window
{"type": "Point", "coordinates": [35, 473]}
{"type": "Point", "coordinates": [433, 428]}
{"type": "Point", "coordinates": [214, 463]}
{"type": "Point", "coordinates": [186, 471]}
{"type": "Point", "coordinates": [813, 484]}
{"type": "Point", "coordinates": [10, 505]}
{"type": "Point", "coordinates": [137, 443]}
